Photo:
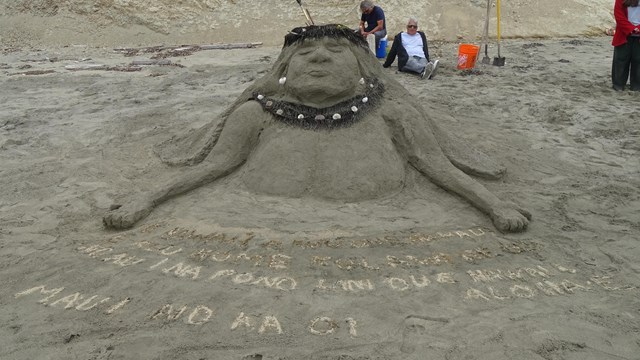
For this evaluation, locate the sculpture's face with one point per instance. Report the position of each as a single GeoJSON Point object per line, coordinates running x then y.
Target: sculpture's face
{"type": "Point", "coordinates": [322, 69]}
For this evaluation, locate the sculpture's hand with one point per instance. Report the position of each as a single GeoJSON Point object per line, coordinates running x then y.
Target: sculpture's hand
{"type": "Point", "coordinates": [509, 217]}
{"type": "Point", "coordinates": [125, 216]}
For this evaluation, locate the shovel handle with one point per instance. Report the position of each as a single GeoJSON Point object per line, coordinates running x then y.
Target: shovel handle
{"type": "Point", "coordinates": [485, 34]}
{"type": "Point", "coordinates": [306, 14]}
{"type": "Point", "coordinates": [498, 18]}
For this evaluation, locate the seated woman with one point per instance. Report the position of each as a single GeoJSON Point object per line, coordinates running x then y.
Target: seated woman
{"type": "Point", "coordinates": [412, 51]}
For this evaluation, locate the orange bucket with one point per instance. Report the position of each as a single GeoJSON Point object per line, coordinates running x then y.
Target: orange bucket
{"type": "Point", "coordinates": [467, 55]}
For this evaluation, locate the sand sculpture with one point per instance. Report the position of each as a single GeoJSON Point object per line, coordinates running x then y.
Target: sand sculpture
{"type": "Point", "coordinates": [325, 122]}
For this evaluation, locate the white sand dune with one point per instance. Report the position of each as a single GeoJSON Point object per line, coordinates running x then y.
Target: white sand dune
{"type": "Point", "coordinates": [136, 22]}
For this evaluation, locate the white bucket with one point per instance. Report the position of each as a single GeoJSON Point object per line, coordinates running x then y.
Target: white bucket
{"type": "Point", "coordinates": [371, 39]}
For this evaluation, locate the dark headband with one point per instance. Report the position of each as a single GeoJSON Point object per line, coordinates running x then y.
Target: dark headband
{"type": "Point", "coordinates": [335, 31]}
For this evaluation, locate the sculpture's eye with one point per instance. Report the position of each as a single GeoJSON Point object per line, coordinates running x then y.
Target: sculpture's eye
{"type": "Point", "coordinates": [335, 48]}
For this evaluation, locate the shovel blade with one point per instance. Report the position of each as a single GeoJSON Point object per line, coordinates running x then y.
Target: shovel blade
{"type": "Point", "coordinates": [486, 60]}
{"type": "Point", "coordinates": [498, 61]}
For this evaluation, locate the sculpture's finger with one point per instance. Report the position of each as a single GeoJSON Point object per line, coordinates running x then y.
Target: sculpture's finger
{"type": "Point", "coordinates": [525, 212]}
{"type": "Point", "coordinates": [105, 221]}
{"type": "Point", "coordinates": [521, 225]}
{"type": "Point", "coordinates": [117, 220]}
{"type": "Point", "coordinates": [501, 224]}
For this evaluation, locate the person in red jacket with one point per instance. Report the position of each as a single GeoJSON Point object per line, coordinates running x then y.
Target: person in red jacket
{"type": "Point", "coordinates": [626, 42]}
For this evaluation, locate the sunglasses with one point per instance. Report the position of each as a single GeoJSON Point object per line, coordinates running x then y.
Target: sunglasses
{"type": "Point", "coordinates": [412, 26]}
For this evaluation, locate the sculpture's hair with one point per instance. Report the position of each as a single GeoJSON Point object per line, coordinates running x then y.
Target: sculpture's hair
{"type": "Point", "coordinates": [198, 144]}
{"type": "Point", "coordinates": [194, 146]}
{"type": "Point", "coordinates": [335, 31]}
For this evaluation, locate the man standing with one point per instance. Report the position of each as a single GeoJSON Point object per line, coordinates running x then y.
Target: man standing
{"type": "Point", "coordinates": [412, 51]}
{"type": "Point", "coordinates": [372, 21]}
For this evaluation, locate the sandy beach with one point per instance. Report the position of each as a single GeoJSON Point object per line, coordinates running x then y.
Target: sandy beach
{"type": "Point", "coordinates": [224, 273]}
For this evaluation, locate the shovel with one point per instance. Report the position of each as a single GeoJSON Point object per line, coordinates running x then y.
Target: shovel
{"type": "Point", "coordinates": [498, 61]}
{"type": "Point", "coordinates": [306, 13]}
{"type": "Point", "coordinates": [486, 60]}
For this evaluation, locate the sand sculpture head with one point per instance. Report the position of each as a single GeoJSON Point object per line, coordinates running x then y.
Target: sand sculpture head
{"type": "Point", "coordinates": [325, 67]}
{"type": "Point", "coordinates": [319, 61]}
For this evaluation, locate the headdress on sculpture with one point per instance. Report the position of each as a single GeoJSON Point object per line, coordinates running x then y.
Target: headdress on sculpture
{"type": "Point", "coordinates": [336, 31]}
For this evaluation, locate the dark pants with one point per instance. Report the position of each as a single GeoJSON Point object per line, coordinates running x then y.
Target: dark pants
{"type": "Point", "coordinates": [379, 35]}
{"type": "Point", "coordinates": [626, 64]}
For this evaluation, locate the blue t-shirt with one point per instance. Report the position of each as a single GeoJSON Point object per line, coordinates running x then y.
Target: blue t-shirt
{"type": "Point", "coordinates": [372, 19]}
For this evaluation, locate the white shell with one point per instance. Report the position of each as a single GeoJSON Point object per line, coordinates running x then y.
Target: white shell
{"type": "Point", "coordinates": [371, 86]}
{"type": "Point", "coordinates": [279, 112]}
{"type": "Point", "coordinates": [354, 109]}
{"type": "Point", "coordinates": [260, 97]}
{"type": "Point", "coordinates": [365, 99]}
{"type": "Point", "coordinates": [282, 80]}
{"type": "Point", "coordinates": [300, 116]}
{"type": "Point", "coordinates": [361, 81]}
{"type": "Point", "coordinates": [336, 116]}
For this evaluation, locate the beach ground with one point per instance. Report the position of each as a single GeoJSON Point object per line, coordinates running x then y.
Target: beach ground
{"type": "Point", "coordinates": [222, 273]}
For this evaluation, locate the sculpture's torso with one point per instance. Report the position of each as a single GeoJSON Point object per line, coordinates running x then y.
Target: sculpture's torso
{"type": "Point", "coordinates": [353, 163]}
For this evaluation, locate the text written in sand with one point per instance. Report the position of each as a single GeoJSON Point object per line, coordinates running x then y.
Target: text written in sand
{"type": "Point", "coordinates": [480, 284]}
{"type": "Point", "coordinates": [60, 298]}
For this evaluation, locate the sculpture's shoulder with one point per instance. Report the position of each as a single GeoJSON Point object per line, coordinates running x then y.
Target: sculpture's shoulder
{"type": "Point", "coordinates": [249, 107]}
{"type": "Point", "coordinates": [248, 114]}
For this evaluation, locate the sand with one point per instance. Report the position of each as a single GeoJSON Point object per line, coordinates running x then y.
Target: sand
{"type": "Point", "coordinates": [223, 273]}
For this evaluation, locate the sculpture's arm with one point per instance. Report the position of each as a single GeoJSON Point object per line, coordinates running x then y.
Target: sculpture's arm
{"type": "Point", "coordinates": [422, 151]}
{"type": "Point", "coordinates": [238, 138]}
{"type": "Point", "coordinates": [236, 142]}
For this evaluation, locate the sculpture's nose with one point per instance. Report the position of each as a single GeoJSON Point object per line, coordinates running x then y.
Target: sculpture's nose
{"type": "Point", "coordinates": [320, 55]}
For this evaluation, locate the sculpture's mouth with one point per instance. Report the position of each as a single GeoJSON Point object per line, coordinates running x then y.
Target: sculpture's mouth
{"type": "Point", "coordinates": [318, 73]}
